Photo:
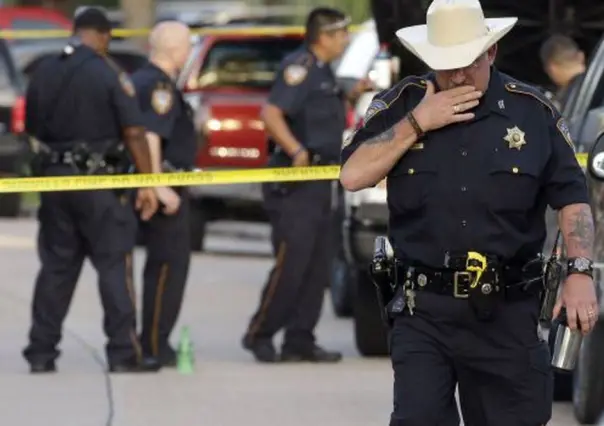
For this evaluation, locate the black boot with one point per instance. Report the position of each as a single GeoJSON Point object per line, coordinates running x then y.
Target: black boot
{"type": "Point", "coordinates": [146, 365]}
{"type": "Point", "coordinates": [39, 367]}
{"type": "Point", "coordinates": [312, 353]}
{"type": "Point", "coordinates": [262, 349]}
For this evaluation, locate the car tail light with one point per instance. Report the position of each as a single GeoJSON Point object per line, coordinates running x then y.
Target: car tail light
{"type": "Point", "coordinates": [17, 124]}
{"type": "Point", "coordinates": [350, 118]}
{"type": "Point", "coordinates": [208, 123]}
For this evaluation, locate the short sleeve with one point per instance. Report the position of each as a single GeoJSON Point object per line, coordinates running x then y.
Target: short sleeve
{"type": "Point", "coordinates": [289, 91]}
{"type": "Point", "coordinates": [159, 110]}
{"type": "Point", "coordinates": [565, 182]}
{"type": "Point", "coordinates": [377, 120]}
{"type": "Point", "coordinates": [34, 94]}
{"type": "Point", "coordinates": [31, 107]}
{"type": "Point", "coordinates": [123, 97]}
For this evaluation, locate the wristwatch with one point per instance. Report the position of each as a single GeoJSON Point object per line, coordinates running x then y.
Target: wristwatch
{"type": "Point", "coordinates": [580, 265]}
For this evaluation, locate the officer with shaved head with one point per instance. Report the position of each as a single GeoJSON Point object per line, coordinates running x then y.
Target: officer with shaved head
{"type": "Point", "coordinates": [171, 136]}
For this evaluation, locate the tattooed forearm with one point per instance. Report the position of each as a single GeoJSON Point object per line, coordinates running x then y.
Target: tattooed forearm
{"type": "Point", "coordinates": [577, 226]}
{"type": "Point", "coordinates": [386, 136]}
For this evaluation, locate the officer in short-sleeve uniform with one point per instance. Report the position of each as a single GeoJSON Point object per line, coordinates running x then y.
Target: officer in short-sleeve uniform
{"type": "Point", "coordinates": [73, 98]}
{"type": "Point", "coordinates": [482, 185]}
{"type": "Point", "coordinates": [306, 93]}
{"type": "Point", "coordinates": [167, 237]}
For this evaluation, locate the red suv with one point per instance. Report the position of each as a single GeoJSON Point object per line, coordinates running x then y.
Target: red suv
{"type": "Point", "coordinates": [227, 82]}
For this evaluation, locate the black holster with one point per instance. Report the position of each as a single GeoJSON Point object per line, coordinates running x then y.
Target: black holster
{"type": "Point", "coordinates": [501, 283]}
{"type": "Point", "coordinates": [382, 271]}
{"type": "Point", "coordinates": [485, 297]}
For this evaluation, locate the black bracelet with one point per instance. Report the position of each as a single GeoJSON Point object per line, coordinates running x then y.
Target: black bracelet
{"type": "Point", "coordinates": [416, 127]}
{"type": "Point", "coordinates": [580, 265]}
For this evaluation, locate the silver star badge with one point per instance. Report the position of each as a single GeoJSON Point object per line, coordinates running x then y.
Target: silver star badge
{"type": "Point", "coordinates": [515, 138]}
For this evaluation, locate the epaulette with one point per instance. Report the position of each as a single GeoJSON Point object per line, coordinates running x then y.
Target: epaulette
{"type": "Point", "coordinates": [123, 78]}
{"type": "Point", "coordinates": [113, 64]}
{"type": "Point", "coordinates": [515, 86]}
{"type": "Point", "coordinates": [384, 100]}
{"type": "Point", "coordinates": [296, 72]}
{"type": "Point", "coordinates": [526, 89]}
{"type": "Point", "coordinates": [305, 59]}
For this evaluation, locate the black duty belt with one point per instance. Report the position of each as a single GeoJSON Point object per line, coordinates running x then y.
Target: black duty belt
{"type": "Point", "coordinates": [512, 282]}
{"type": "Point", "coordinates": [83, 162]}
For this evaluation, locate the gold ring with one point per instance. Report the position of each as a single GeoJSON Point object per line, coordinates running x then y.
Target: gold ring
{"type": "Point", "coordinates": [591, 314]}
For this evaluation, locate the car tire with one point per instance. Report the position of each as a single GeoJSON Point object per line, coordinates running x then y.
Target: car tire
{"type": "Point", "coordinates": [198, 218]}
{"type": "Point", "coordinates": [369, 330]}
{"type": "Point", "coordinates": [10, 205]}
{"type": "Point", "coordinates": [341, 287]}
{"type": "Point", "coordinates": [588, 389]}
{"type": "Point", "coordinates": [563, 382]}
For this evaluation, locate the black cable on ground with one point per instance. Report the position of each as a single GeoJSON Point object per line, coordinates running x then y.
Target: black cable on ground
{"type": "Point", "coordinates": [108, 383]}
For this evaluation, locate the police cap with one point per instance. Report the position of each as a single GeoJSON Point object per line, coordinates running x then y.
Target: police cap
{"type": "Point", "coordinates": [91, 18]}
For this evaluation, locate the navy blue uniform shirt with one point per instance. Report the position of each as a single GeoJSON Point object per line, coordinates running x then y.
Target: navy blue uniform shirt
{"type": "Point", "coordinates": [167, 114]}
{"type": "Point", "coordinates": [306, 90]}
{"type": "Point", "coordinates": [81, 97]}
{"type": "Point", "coordinates": [481, 185]}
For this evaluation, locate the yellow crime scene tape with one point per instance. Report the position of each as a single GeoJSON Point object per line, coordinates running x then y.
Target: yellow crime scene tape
{"type": "Point", "coordinates": [218, 177]}
{"type": "Point", "coordinates": [126, 32]}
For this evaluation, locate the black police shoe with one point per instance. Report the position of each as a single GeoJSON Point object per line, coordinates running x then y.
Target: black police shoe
{"type": "Point", "coordinates": [42, 367]}
{"type": "Point", "coordinates": [168, 357]}
{"type": "Point", "coordinates": [147, 365]}
{"type": "Point", "coordinates": [312, 354]}
{"type": "Point", "coordinates": [262, 349]}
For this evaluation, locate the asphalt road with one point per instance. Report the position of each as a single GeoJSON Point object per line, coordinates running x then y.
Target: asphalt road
{"type": "Point", "coordinates": [227, 387]}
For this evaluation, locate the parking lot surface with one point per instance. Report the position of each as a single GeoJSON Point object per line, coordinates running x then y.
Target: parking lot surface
{"type": "Point", "coordinates": [227, 387]}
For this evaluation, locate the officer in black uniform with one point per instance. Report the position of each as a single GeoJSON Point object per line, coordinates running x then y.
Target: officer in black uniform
{"type": "Point", "coordinates": [564, 63]}
{"type": "Point", "coordinates": [305, 118]}
{"type": "Point", "coordinates": [171, 135]}
{"type": "Point", "coordinates": [80, 106]}
{"type": "Point", "coordinates": [472, 158]}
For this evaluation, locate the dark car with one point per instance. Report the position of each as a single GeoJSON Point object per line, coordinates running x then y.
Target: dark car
{"type": "Point", "coordinates": [12, 122]}
{"type": "Point", "coordinates": [584, 111]}
{"type": "Point", "coordinates": [27, 56]}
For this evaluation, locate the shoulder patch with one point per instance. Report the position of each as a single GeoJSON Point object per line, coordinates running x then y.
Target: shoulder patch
{"type": "Point", "coordinates": [384, 100]}
{"type": "Point", "coordinates": [525, 89]}
{"type": "Point", "coordinates": [565, 132]}
{"type": "Point", "coordinates": [126, 84]}
{"type": "Point", "coordinates": [376, 106]}
{"type": "Point", "coordinates": [295, 74]}
{"type": "Point", "coordinates": [162, 99]}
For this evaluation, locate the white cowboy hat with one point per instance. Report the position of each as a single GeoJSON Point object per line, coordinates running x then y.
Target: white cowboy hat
{"type": "Point", "coordinates": [455, 34]}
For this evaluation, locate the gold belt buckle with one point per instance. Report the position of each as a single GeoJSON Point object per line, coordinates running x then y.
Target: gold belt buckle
{"type": "Point", "coordinates": [457, 275]}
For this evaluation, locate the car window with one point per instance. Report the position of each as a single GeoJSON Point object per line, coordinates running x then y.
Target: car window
{"type": "Point", "coordinates": [244, 63]}
{"type": "Point", "coordinates": [27, 24]}
{"type": "Point", "coordinates": [5, 78]}
{"type": "Point", "coordinates": [129, 62]}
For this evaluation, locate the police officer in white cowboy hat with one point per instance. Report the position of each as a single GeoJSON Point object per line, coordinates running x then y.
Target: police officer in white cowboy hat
{"type": "Point", "coordinates": [473, 157]}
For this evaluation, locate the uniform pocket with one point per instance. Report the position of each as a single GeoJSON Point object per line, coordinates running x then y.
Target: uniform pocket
{"type": "Point", "coordinates": [118, 232]}
{"type": "Point", "coordinates": [411, 183]}
{"type": "Point", "coordinates": [513, 186]}
{"type": "Point", "coordinates": [540, 358]}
